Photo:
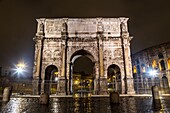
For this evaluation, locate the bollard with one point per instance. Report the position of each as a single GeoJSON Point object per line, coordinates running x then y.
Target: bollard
{"type": "Point", "coordinates": [6, 94]}
{"type": "Point", "coordinates": [114, 98]}
{"type": "Point", "coordinates": [44, 98]}
{"type": "Point", "coordinates": [156, 98]}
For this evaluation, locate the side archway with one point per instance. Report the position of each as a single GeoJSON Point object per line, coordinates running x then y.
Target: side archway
{"type": "Point", "coordinates": [165, 84]}
{"type": "Point", "coordinates": [162, 65]}
{"type": "Point", "coordinates": [51, 78]}
{"type": "Point", "coordinates": [114, 78]}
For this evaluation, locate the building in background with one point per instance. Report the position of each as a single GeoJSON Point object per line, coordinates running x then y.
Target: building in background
{"type": "Point", "coordinates": [151, 67]}
{"type": "Point", "coordinates": [82, 54]}
{"type": "Point", "coordinates": [5, 77]}
{"type": "Point", "coordinates": [6, 71]}
{"type": "Point", "coordinates": [0, 71]}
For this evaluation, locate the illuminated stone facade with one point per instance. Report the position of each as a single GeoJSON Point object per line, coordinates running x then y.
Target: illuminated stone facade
{"type": "Point", "coordinates": [105, 41]}
{"type": "Point", "coordinates": [151, 66]}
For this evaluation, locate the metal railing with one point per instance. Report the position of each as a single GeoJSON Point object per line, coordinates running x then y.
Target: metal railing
{"type": "Point", "coordinates": [26, 87]}
{"type": "Point", "coordinates": [144, 87]}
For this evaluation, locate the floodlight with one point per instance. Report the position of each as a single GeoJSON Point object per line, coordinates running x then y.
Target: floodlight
{"type": "Point", "coordinates": [152, 72]}
{"type": "Point", "coordinates": [19, 70]}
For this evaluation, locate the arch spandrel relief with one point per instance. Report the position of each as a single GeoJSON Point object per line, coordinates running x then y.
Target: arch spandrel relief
{"type": "Point", "coordinates": [92, 51]}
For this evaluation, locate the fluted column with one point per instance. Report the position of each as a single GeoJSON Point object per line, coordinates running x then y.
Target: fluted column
{"type": "Point", "coordinates": [101, 57]}
{"type": "Point", "coordinates": [63, 71]}
{"type": "Point", "coordinates": [39, 38]}
{"type": "Point", "coordinates": [102, 78]}
{"type": "Point", "coordinates": [36, 71]}
{"type": "Point", "coordinates": [63, 78]}
{"type": "Point", "coordinates": [128, 79]}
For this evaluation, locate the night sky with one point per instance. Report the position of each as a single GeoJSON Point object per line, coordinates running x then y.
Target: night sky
{"type": "Point", "coordinates": [149, 22]}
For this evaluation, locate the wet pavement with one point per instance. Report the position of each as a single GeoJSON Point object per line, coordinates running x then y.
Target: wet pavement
{"type": "Point", "coordinates": [84, 105]}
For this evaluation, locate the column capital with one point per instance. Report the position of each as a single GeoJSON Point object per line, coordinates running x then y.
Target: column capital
{"type": "Point", "coordinates": [123, 19]}
{"type": "Point", "coordinates": [38, 38]}
{"type": "Point", "coordinates": [100, 28]}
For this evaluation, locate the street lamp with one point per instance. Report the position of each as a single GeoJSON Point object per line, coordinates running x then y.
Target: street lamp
{"type": "Point", "coordinates": [20, 68]}
{"type": "Point", "coordinates": [153, 72]}
{"type": "Point", "coordinates": [56, 79]}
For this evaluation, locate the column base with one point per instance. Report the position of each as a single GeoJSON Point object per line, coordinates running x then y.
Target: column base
{"type": "Point", "coordinates": [103, 89]}
{"type": "Point", "coordinates": [62, 86]}
{"type": "Point", "coordinates": [130, 86]}
{"type": "Point", "coordinates": [36, 86]}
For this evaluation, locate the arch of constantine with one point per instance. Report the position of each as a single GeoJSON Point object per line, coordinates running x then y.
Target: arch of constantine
{"type": "Point", "coordinates": [82, 54]}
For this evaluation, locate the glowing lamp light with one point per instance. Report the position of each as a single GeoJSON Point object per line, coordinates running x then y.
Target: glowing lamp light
{"type": "Point", "coordinates": [19, 70]}
{"type": "Point", "coordinates": [152, 72]}
{"type": "Point", "coordinates": [21, 65]}
{"type": "Point", "coordinates": [56, 73]}
{"type": "Point", "coordinates": [76, 82]}
{"type": "Point", "coordinates": [56, 79]}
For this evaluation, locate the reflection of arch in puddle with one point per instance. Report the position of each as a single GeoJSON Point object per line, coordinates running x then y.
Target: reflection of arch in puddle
{"type": "Point", "coordinates": [44, 109]}
{"type": "Point", "coordinates": [83, 105]}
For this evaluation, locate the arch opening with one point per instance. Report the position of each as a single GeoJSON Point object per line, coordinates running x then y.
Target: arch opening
{"type": "Point", "coordinates": [162, 65]}
{"type": "Point", "coordinates": [114, 78]}
{"type": "Point", "coordinates": [81, 72]}
{"type": "Point", "coordinates": [51, 79]}
{"type": "Point", "coordinates": [165, 84]}
{"type": "Point", "coordinates": [157, 81]}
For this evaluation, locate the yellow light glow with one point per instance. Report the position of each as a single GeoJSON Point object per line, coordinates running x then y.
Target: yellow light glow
{"type": "Point", "coordinates": [160, 67]}
{"type": "Point", "coordinates": [134, 69]}
{"type": "Point", "coordinates": [56, 73]}
{"type": "Point", "coordinates": [114, 77]}
{"type": "Point", "coordinates": [76, 95]}
{"type": "Point", "coordinates": [76, 82]}
{"type": "Point", "coordinates": [21, 65]}
{"type": "Point", "coordinates": [154, 64]}
{"type": "Point", "coordinates": [168, 62]}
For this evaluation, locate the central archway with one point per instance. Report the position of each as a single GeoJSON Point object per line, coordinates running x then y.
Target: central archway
{"type": "Point", "coordinates": [81, 72]}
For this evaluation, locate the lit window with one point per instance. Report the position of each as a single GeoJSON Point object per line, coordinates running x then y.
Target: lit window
{"type": "Point", "coordinates": [154, 64]}
{"type": "Point", "coordinates": [162, 65]}
{"type": "Point", "coordinates": [134, 69]}
{"type": "Point", "coordinates": [168, 62]}
{"type": "Point", "coordinates": [56, 73]}
{"type": "Point", "coordinates": [143, 68]}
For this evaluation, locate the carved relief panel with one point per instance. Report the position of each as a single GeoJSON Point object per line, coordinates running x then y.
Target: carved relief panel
{"type": "Point", "coordinates": [88, 46]}
{"type": "Point", "coordinates": [52, 52]}
{"type": "Point", "coordinates": [112, 53]}
{"type": "Point", "coordinates": [53, 27]}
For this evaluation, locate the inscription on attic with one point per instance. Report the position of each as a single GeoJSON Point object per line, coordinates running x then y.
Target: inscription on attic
{"type": "Point", "coordinates": [81, 27]}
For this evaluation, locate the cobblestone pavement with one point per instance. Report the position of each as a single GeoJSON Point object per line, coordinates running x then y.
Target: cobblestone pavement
{"type": "Point", "coordinates": [128, 104]}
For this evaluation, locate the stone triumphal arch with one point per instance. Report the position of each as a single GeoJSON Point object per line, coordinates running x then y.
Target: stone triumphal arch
{"type": "Point", "coordinates": [89, 54]}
